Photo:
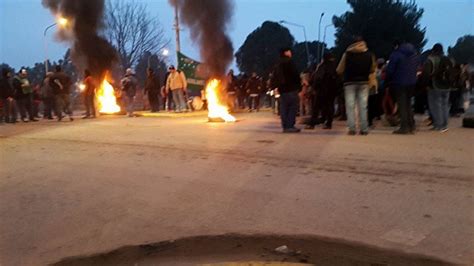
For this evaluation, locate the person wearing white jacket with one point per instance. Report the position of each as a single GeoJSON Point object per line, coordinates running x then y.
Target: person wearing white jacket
{"type": "Point", "coordinates": [176, 83]}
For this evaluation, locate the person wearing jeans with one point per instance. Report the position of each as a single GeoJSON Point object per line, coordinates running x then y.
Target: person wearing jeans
{"type": "Point", "coordinates": [438, 67]}
{"type": "Point", "coordinates": [358, 69]}
{"type": "Point", "coordinates": [357, 96]}
{"type": "Point", "coordinates": [287, 81]}
{"type": "Point", "coordinates": [179, 100]}
{"type": "Point", "coordinates": [439, 108]}
{"type": "Point", "coordinates": [177, 84]}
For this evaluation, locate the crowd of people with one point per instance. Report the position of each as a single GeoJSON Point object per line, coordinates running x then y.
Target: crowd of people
{"type": "Point", "coordinates": [20, 99]}
{"type": "Point", "coordinates": [358, 89]}
{"type": "Point", "coordinates": [365, 88]}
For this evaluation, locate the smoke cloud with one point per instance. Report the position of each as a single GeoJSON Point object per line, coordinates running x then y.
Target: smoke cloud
{"type": "Point", "coordinates": [208, 21]}
{"type": "Point", "coordinates": [89, 49]}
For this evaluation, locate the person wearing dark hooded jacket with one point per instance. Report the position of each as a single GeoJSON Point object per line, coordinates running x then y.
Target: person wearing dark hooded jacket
{"type": "Point", "coordinates": [401, 79]}
{"type": "Point", "coordinates": [287, 81]}
{"type": "Point", "coordinates": [326, 84]}
{"type": "Point", "coordinates": [7, 93]}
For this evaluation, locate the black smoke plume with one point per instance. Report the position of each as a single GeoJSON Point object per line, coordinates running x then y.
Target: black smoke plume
{"type": "Point", "coordinates": [89, 49]}
{"type": "Point", "coordinates": [208, 21]}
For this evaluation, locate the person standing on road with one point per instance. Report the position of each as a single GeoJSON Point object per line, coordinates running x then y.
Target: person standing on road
{"type": "Point", "coordinates": [327, 85]}
{"type": "Point", "coordinates": [48, 97]}
{"type": "Point", "coordinates": [152, 89]}
{"type": "Point", "coordinates": [6, 97]}
{"type": "Point", "coordinates": [61, 84]}
{"type": "Point", "coordinates": [24, 96]}
{"type": "Point", "coordinates": [438, 67]}
{"type": "Point", "coordinates": [253, 88]}
{"type": "Point", "coordinates": [288, 83]}
{"type": "Point", "coordinates": [129, 86]}
{"type": "Point", "coordinates": [89, 94]}
{"type": "Point", "coordinates": [401, 78]}
{"type": "Point", "coordinates": [358, 69]}
{"type": "Point", "coordinates": [177, 84]}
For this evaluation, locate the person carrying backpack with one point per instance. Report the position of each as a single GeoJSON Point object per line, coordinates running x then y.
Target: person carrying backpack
{"type": "Point", "coordinates": [438, 67]}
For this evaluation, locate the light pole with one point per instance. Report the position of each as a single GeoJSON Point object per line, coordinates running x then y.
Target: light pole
{"type": "Point", "coordinates": [305, 39]}
{"type": "Point", "coordinates": [319, 35]}
{"type": "Point", "coordinates": [62, 22]}
{"type": "Point", "coordinates": [324, 37]}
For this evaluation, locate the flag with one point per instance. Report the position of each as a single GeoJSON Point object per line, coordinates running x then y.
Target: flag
{"type": "Point", "coordinates": [196, 73]}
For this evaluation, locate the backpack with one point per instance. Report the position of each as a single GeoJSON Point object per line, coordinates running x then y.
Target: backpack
{"type": "Point", "coordinates": [442, 70]}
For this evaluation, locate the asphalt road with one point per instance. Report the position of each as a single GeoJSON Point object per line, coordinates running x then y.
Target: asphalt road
{"type": "Point", "coordinates": [72, 189]}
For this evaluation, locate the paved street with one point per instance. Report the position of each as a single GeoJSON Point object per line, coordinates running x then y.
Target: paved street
{"type": "Point", "coordinates": [72, 189]}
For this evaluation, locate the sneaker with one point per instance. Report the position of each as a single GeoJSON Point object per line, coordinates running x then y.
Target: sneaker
{"type": "Point", "coordinates": [24, 120]}
{"type": "Point", "coordinates": [444, 130]}
{"type": "Point", "coordinates": [291, 130]}
{"type": "Point", "coordinates": [351, 133]}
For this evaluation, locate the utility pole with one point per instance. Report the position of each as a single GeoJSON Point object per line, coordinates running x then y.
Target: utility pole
{"type": "Point", "coordinates": [319, 37]}
{"type": "Point", "coordinates": [177, 28]}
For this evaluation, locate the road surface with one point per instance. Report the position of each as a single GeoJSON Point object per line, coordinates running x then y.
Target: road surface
{"type": "Point", "coordinates": [87, 187]}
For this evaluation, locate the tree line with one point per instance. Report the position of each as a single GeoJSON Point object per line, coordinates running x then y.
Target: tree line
{"type": "Point", "coordinates": [139, 37]}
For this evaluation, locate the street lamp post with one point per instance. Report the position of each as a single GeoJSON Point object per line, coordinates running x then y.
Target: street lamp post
{"type": "Point", "coordinates": [319, 35]}
{"type": "Point", "coordinates": [308, 56]}
{"type": "Point", "coordinates": [61, 22]}
{"type": "Point", "coordinates": [46, 60]}
{"type": "Point", "coordinates": [324, 37]}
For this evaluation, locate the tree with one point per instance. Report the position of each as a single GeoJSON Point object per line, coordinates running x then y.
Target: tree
{"type": "Point", "coordinates": [300, 55]}
{"type": "Point", "coordinates": [260, 50]}
{"type": "Point", "coordinates": [463, 51]}
{"type": "Point", "coordinates": [132, 31]}
{"type": "Point", "coordinates": [380, 23]}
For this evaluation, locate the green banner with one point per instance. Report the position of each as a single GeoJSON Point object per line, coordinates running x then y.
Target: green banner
{"type": "Point", "coordinates": [196, 73]}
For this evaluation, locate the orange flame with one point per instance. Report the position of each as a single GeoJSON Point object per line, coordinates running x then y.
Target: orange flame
{"type": "Point", "coordinates": [216, 108]}
{"type": "Point", "coordinates": [106, 99]}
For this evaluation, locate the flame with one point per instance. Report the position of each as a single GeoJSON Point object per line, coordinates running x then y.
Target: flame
{"type": "Point", "coordinates": [106, 99]}
{"type": "Point", "coordinates": [82, 87]}
{"type": "Point", "coordinates": [216, 108]}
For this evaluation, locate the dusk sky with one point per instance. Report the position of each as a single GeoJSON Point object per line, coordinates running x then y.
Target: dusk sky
{"type": "Point", "coordinates": [22, 23]}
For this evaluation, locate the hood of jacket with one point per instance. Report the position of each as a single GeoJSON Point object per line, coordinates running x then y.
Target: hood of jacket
{"type": "Point", "coordinates": [358, 47]}
{"type": "Point", "coordinates": [407, 49]}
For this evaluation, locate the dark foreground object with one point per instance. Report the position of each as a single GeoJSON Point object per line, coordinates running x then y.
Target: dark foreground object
{"type": "Point", "coordinates": [468, 120]}
{"type": "Point", "coordinates": [234, 248]}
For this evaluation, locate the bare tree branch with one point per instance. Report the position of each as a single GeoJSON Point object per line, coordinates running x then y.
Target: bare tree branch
{"type": "Point", "coordinates": [133, 31]}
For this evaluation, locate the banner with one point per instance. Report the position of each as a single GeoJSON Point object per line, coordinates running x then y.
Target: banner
{"type": "Point", "coordinates": [196, 73]}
